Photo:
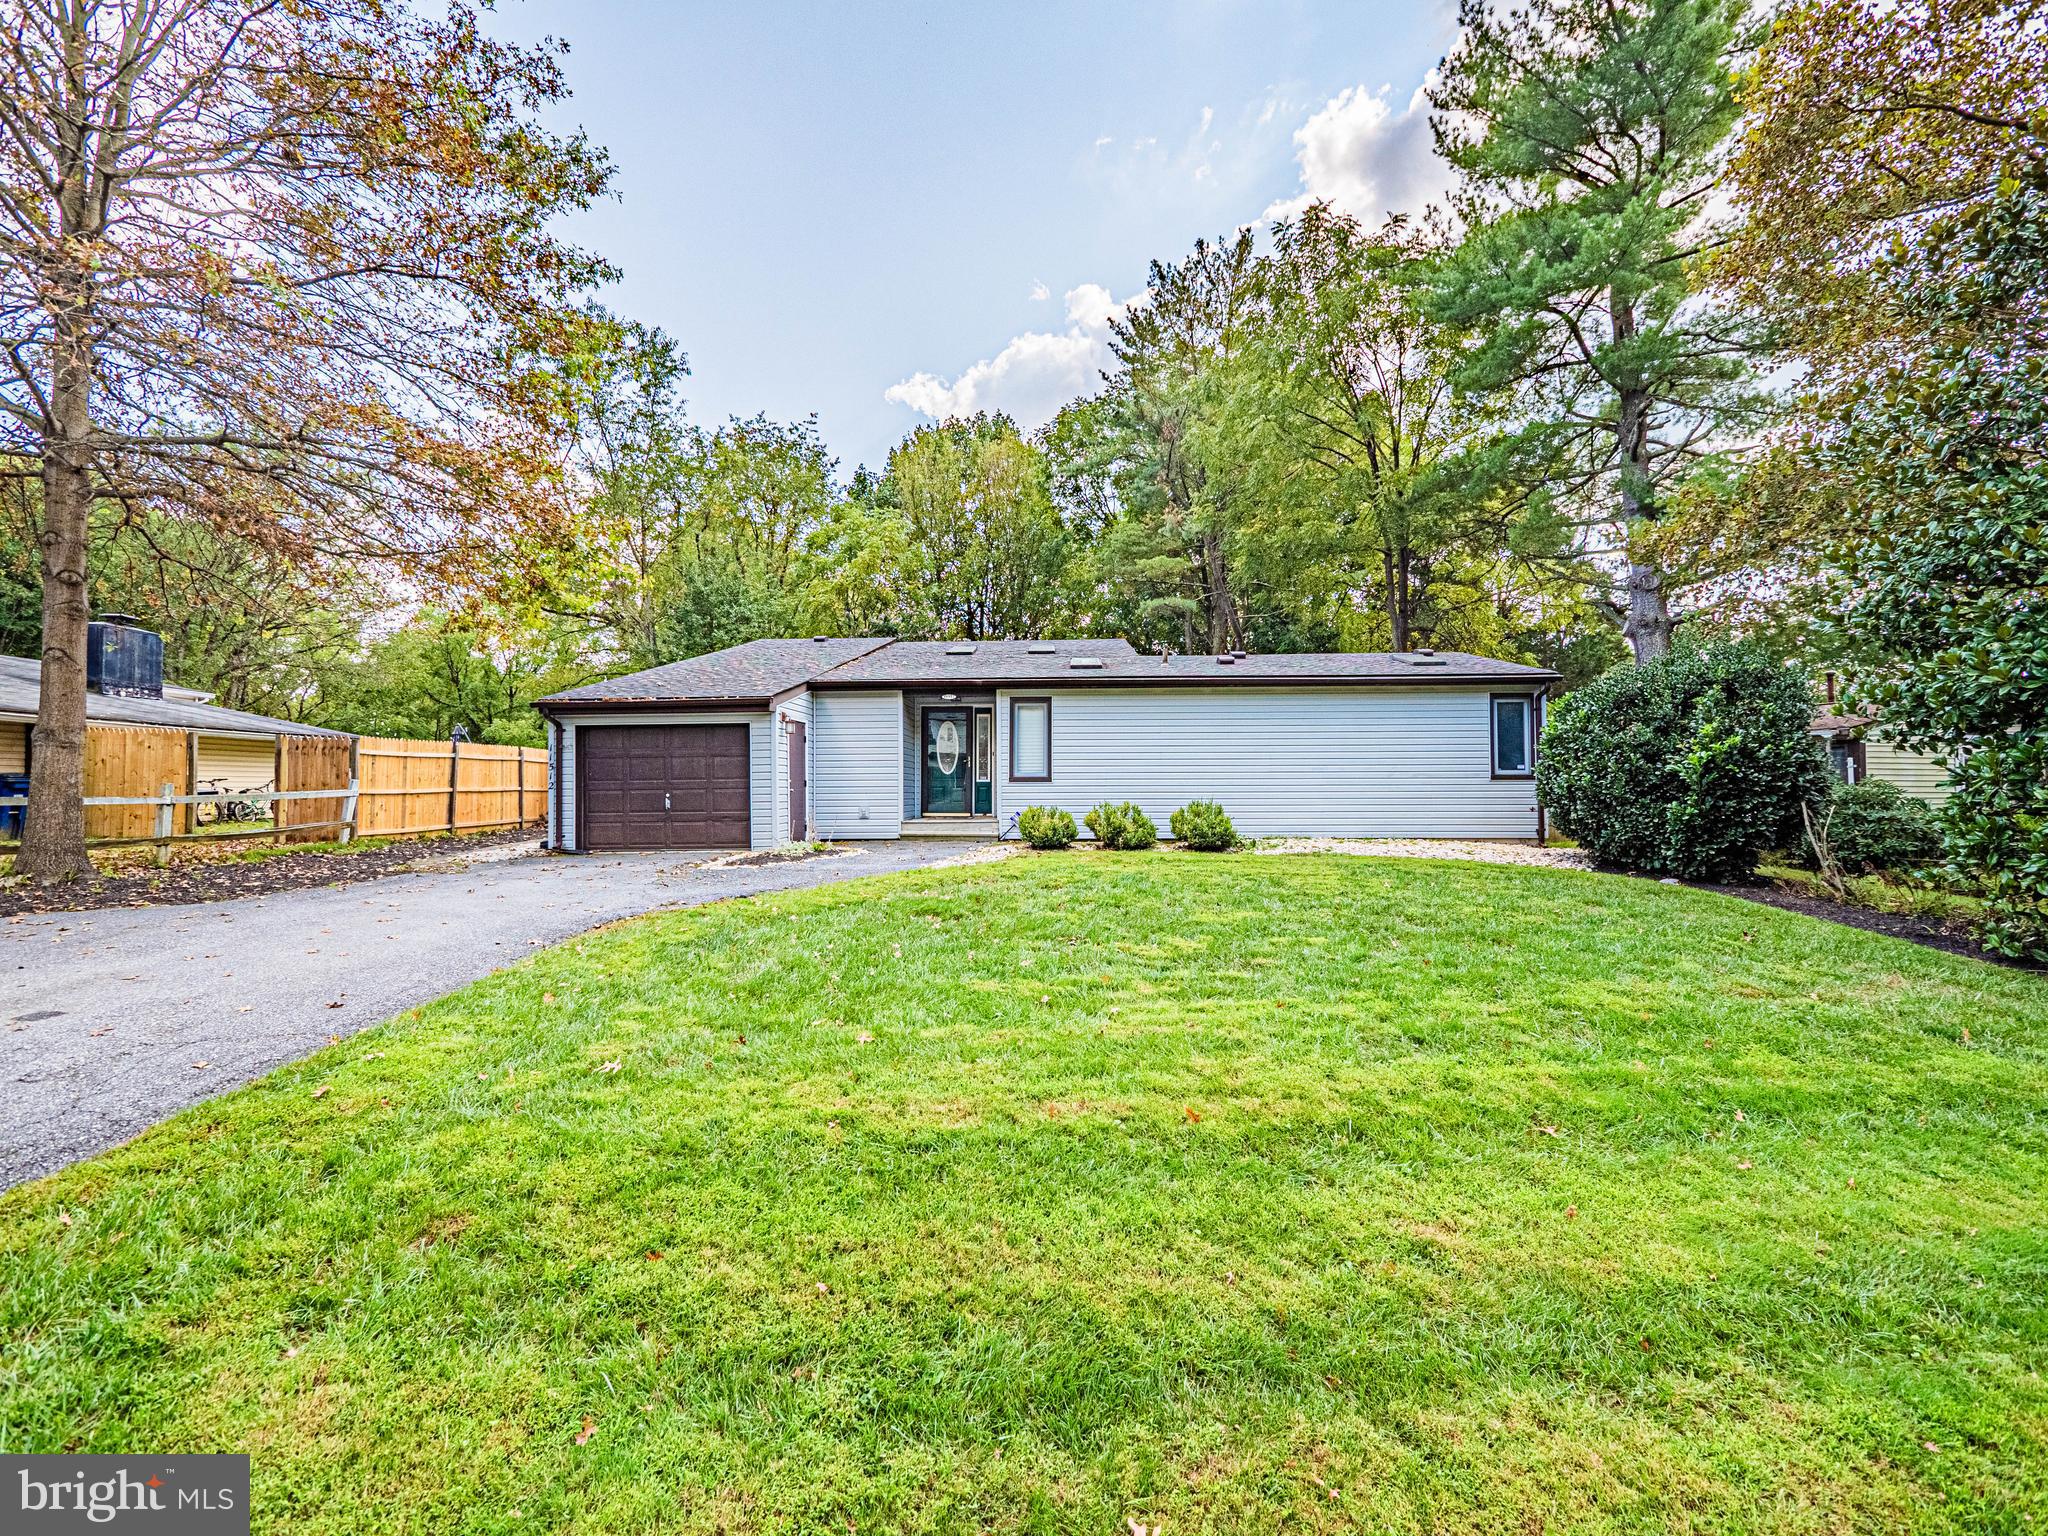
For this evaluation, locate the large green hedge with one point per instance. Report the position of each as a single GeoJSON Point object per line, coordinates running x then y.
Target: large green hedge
{"type": "Point", "coordinates": [1691, 765]}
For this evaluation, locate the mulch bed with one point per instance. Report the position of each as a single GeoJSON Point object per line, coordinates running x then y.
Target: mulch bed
{"type": "Point", "coordinates": [1955, 938]}
{"type": "Point", "coordinates": [190, 879]}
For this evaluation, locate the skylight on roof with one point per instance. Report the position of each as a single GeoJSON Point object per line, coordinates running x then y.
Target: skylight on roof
{"type": "Point", "coordinates": [959, 650]}
{"type": "Point", "coordinates": [1086, 663]}
{"type": "Point", "coordinates": [1038, 648]}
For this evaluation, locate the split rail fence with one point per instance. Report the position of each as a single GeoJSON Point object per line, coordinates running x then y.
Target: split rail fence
{"type": "Point", "coordinates": [141, 787]}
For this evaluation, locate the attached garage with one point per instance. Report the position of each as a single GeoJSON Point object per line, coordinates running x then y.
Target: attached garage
{"type": "Point", "coordinates": [664, 786]}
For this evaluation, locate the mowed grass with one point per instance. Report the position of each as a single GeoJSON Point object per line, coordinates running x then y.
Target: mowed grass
{"type": "Point", "coordinates": [1232, 1194]}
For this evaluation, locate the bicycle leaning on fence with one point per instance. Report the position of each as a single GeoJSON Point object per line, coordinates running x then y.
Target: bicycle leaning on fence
{"type": "Point", "coordinates": [219, 803]}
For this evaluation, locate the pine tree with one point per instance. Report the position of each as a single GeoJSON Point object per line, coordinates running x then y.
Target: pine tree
{"type": "Point", "coordinates": [1590, 136]}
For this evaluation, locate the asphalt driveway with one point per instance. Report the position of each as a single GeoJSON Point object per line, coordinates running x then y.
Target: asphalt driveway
{"type": "Point", "coordinates": [116, 1018]}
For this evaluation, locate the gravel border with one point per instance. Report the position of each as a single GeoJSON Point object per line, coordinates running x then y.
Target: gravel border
{"type": "Point", "coordinates": [1531, 855]}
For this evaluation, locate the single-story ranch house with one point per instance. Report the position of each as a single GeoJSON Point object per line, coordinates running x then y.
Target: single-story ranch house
{"type": "Point", "coordinates": [787, 740]}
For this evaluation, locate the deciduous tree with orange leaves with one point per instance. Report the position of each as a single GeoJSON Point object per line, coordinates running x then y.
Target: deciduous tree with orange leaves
{"type": "Point", "coordinates": [285, 269]}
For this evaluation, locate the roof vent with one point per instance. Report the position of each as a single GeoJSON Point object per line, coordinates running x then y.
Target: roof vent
{"type": "Point", "coordinates": [1086, 663]}
{"type": "Point", "coordinates": [1423, 650]}
{"type": "Point", "coordinates": [1038, 648]}
{"type": "Point", "coordinates": [1225, 659]}
{"type": "Point", "coordinates": [1237, 655]}
{"type": "Point", "coordinates": [820, 639]}
{"type": "Point", "coordinates": [1426, 659]}
{"type": "Point", "coordinates": [959, 650]}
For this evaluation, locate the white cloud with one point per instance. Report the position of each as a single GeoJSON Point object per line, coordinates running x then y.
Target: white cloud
{"type": "Point", "coordinates": [1031, 377]}
{"type": "Point", "coordinates": [1365, 158]}
{"type": "Point", "coordinates": [1357, 151]}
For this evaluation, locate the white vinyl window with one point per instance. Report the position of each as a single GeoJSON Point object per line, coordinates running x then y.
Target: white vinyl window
{"type": "Point", "coordinates": [1514, 735]}
{"type": "Point", "coordinates": [1031, 738]}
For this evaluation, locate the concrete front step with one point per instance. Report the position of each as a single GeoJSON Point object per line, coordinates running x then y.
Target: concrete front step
{"type": "Point", "coordinates": [950, 826]}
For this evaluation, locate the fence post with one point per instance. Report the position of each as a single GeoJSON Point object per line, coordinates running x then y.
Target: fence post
{"type": "Point", "coordinates": [162, 848]}
{"type": "Point", "coordinates": [454, 779]}
{"type": "Point", "coordinates": [280, 761]}
{"type": "Point", "coordinates": [192, 780]}
{"type": "Point", "coordinates": [519, 811]}
{"type": "Point", "coordinates": [348, 808]}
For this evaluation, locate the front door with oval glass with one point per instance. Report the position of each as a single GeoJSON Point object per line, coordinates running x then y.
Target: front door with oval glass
{"type": "Point", "coordinates": [948, 761]}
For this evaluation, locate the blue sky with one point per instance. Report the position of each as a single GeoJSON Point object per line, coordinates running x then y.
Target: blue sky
{"type": "Point", "coordinates": [878, 213]}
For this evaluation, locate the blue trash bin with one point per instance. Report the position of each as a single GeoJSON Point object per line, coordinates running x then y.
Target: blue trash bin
{"type": "Point", "coordinates": [12, 816]}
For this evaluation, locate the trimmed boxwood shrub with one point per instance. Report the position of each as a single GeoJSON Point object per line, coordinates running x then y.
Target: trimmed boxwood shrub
{"type": "Point", "coordinates": [1201, 825]}
{"type": "Point", "coordinates": [1121, 826]}
{"type": "Point", "coordinates": [1046, 826]}
{"type": "Point", "coordinates": [1690, 765]}
{"type": "Point", "coordinates": [1875, 828]}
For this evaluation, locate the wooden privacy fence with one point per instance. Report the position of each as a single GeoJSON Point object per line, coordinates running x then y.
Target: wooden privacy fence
{"type": "Point", "coordinates": [418, 786]}
{"type": "Point", "coordinates": [141, 786]}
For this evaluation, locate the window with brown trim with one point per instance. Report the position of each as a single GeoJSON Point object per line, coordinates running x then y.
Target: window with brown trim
{"type": "Point", "coordinates": [1513, 718]}
{"type": "Point", "coordinates": [1030, 740]}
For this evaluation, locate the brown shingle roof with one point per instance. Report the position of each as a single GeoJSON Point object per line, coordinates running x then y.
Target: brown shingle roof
{"type": "Point", "coordinates": [757, 670]}
{"type": "Point", "coordinates": [1052, 662]}
{"type": "Point", "coordinates": [752, 673]}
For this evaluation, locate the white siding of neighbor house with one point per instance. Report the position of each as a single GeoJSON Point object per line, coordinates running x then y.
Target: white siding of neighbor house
{"type": "Point", "coordinates": [760, 766]}
{"type": "Point", "coordinates": [1339, 762]}
{"type": "Point", "coordinates": [1922, 777]}
{"type": "Point", "coordinates": [794, 709]}
{"type": "Point", "coordinates": [857, 749]}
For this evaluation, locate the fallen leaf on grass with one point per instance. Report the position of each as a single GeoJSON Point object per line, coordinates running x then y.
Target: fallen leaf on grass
{"type": "Point", "coordinates": [1550, 1130]}
{"type": "Point", "coordinates": [322, 1091]}
{"type": "Point", "coordinates": [653, 1254]}
{"type": "Point", "coordinates": [1745, 1165]}
{"type": "Point", "coordinates": [63, 1218]}
{"type": "Point", "coordinates": [1194, 1115]}
{"type": "Point", "coordinates": [589, 1428]}
{"type": "Point", "coordinates": [1571, 1213]}
{"type": "Point", "coordinates": [864, 1038]}
{"type": "Point", "coordinates": [608, 1068]}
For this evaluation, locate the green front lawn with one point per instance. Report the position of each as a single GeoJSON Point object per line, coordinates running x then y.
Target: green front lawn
{"type": "Point", "coordinates": [1243, 1194]}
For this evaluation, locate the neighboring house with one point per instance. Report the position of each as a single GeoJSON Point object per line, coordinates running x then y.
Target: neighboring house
{"type": "Point", "coordinates": [228, 749]}
{"type": "Point", "coordinates": [1856, 755]}
{"type": "Point", "coordinates": [781, 740]}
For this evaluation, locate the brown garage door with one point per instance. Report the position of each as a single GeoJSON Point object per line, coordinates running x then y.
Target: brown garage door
{"type": "Point", "coordinates": [662, 786]}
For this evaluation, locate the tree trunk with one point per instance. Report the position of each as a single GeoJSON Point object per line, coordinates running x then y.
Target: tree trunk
{"type": "Point", "coordinates": [1396, 606]}
{"type": "Point", "coordinates": [1648, 625]}
{"type": "Point", "coordinates": [1648, 622]}
{"type": "Point", "coordinates": [53, 835]}
{"type": "Point", "coordinates": [1225, 632]}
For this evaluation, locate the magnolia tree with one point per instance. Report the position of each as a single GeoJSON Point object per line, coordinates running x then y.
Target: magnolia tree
{"type": "Point", "coordinates": [284, 270]}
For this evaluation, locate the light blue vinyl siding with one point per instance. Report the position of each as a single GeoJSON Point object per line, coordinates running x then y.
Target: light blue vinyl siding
{"type": "Point", "coordinates": [857, 750]}
{"type": "Point", "coordinates": [760, 766]}
{"type": "Point", "coordinates": [794, 709]}
{"type": "Point", "coordinates": [1334, 762]}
